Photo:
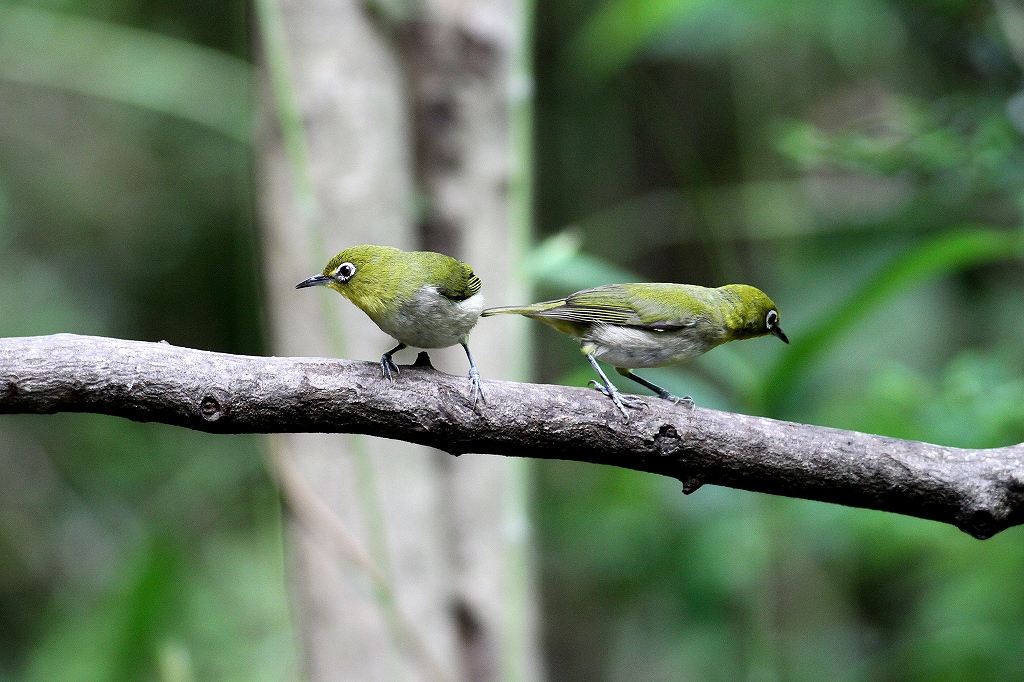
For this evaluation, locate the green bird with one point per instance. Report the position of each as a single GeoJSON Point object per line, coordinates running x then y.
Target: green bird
{"type": "Point", "coordinates": [630, 326]}
{"type": "Point", "coordinates": [420, 298]}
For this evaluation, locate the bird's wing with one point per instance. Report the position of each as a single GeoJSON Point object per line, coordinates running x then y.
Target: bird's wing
{"type": "Point", "coordinates": [616, 304]}
{"type": "Point", "coordinates": [664, 307]}
{"type": "Point", "coordinates": [460, 283]}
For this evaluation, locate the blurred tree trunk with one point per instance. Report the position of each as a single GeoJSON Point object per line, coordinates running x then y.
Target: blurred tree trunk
{"type": "Point", "coordinates": [405, 563]}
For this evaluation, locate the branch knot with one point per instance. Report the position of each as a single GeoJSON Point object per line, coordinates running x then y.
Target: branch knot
{"type": "Point", "coordinates": [666, 443]}
{"type": "Point", "coordinates": [980, 524]}
{"type": "Point", "coordinates": [213, 405]}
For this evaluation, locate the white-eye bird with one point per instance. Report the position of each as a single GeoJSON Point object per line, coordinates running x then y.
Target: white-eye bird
{"type": "Point", "coordinates": [421, 298]}
{"type": "Point", "coordinates": [630, 326]}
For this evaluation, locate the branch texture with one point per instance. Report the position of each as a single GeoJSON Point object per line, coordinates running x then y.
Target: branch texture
{"type": "Point", "coordinates": [979, 491]}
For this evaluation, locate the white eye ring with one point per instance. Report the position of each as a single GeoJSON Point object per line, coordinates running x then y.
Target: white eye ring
{"type": "Point", "coordinates": [344, 272]}
{"type": "Point", "coordinates": [771, 320]}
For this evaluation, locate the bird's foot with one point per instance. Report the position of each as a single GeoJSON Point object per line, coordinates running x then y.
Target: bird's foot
{"type": "Point", "coordinates": [621, 401]}
{"type": "Point", "coordinates": [388, 368]}
{"type": "Point", "coordinates": [476, 386]}
{"type": "Point", "coordinates": [685, 400]}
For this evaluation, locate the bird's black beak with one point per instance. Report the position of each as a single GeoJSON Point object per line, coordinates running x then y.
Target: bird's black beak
{"type": "Point", "coordinates": [315, 280]}
{"type": "Point", "coordinates": [774, 330]}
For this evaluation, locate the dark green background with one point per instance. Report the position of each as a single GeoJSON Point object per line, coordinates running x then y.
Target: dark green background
{"type": "Point", "coordinates": [859, 160]}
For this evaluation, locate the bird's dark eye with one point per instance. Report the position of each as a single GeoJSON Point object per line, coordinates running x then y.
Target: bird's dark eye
{"type": "Point", "coordinates": [344, 272]}
{"type": "Point", "coordinates": [772, 319]}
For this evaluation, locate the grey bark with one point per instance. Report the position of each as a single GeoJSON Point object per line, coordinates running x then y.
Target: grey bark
{"type": "Point", "coordinates": [979, 491]}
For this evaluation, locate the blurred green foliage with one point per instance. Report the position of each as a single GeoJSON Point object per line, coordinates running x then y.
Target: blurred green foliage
{"type": "Point", "coordinates": [861, 161]}
{"type": "Point", "coordinates": [132, 551]}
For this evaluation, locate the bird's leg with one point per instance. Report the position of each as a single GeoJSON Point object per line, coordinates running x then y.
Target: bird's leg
{"type": "Point", "coordinates": [474, 376]}
{"type": "Point", "coordinates": [606, 387]}
{"type": "Point", "coordinates": [387, 365]}
{"type": "Point", "coordinates": [662, 393]}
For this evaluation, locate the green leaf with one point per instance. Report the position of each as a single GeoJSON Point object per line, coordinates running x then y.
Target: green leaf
{"type": "Point", "coordinates": [621, 28]}
{"type": "Point", "coordinates": [124, 64]}
{"type": "Point", "coordinates": [935, 256]}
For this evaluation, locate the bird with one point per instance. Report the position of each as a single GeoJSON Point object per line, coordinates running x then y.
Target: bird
{"type": "Point", "coordinates": [632, 326]}
{"type": "Point", "coordinates": [421, 299]}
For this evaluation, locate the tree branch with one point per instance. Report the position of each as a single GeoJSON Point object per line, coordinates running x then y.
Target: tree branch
{"type": "Point", "coordinates": [979, 491]}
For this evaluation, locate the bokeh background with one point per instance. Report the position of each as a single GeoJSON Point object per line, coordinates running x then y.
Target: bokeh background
{"type": "Point", "coordinates": [859, 160]}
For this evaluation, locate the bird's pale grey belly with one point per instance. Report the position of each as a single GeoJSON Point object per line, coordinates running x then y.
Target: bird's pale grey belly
{"type": "Point", "coordinates": [633, 348]}
{"type": "Point", "coordinates": [431, 320]}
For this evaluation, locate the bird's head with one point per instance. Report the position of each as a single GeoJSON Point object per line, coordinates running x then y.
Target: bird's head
{"type": "Point", "coordinates": [758, 315]}
{"type": "Point", "coordinates": [366, 275]}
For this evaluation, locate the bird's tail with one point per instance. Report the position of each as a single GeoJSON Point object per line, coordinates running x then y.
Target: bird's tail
{"type": "Point", "coordinates": [522, 310]}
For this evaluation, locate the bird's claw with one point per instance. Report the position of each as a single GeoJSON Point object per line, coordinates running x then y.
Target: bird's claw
{"type": "Point", "coordinates": [685, 400]}
{"type": "Point", "coordinates": [388, 368]}
{"type": "Point", "coordinates": [476, 386]}
{"type": "Point", "coordinates": [621, 401]}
